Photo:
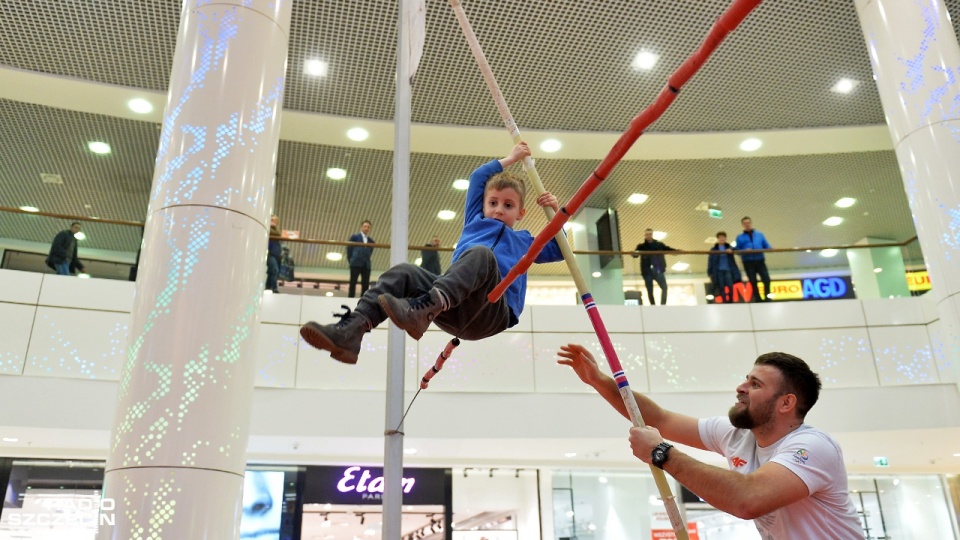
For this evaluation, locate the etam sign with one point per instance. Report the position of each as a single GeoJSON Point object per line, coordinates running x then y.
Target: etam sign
{"type": "Point", "coordinates": [366, 485]}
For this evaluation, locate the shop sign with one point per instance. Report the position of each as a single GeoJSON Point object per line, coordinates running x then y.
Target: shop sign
{"type": "Point", "coordinates": [365, 485]}
{"type": "Point", "coordinates": [918, 281]}
{"type": "Point", "coordinates": [821, 288]}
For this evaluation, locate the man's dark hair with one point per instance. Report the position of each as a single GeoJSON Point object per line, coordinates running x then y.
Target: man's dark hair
{"type": "Point", "coordinates": [798, 379]}
{"type": "Point", "coordinates": [744, 218]}
{"type": "Point", "coordinates": [366, 221]}
{"type": "Point", "coordinates": [721, 233]}
{"type": "Point", "coordinates": [75, 223]}
{"type": "Point", "coordinates": [648, 230]}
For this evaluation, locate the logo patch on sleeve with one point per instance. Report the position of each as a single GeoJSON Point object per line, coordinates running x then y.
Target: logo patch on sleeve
{"type": "Point", "coordinates": [801, 456]}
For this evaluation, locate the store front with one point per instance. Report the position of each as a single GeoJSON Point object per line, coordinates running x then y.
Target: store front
{"type": "Point", "coordinates": [345, 502]}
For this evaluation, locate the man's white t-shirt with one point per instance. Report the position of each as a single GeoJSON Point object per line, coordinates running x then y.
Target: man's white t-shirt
{"type": "Point", "coordinates": [812, 455]}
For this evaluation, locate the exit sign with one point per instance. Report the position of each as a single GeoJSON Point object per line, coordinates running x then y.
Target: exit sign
{"type": "Point", "coordinates": [881, 462]}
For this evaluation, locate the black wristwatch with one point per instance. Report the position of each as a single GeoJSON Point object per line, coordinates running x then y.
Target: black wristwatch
{"type": "Point", "coordinates": [660, 454]}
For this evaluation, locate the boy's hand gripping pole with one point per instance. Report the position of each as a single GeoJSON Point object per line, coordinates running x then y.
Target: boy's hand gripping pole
{"type": "Point", "coordinates": [731, 18]}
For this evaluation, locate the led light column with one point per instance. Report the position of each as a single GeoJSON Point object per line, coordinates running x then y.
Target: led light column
{"type": "Point", "coordinates": [916, 62]}
{"type": "Point", "coordinates": [178, 447]}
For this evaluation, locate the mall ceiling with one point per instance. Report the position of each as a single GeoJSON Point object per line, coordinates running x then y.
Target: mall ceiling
{"type": "Point", "coordinates": [572, 73]}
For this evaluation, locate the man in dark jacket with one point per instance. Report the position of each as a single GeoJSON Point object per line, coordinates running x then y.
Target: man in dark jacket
{"type": "Point", "coordinates": [754, 263]}
{"type": "Point", "coordinates": [359, 259]}
{"type": "Point", "coordinates": [430, 259]}
{"type": "Point", "coordinates": [722, 269]}
{"type": "Point", "coordinates": [652, 267]}
{"type": "Point", "coordinates": [63, 252]}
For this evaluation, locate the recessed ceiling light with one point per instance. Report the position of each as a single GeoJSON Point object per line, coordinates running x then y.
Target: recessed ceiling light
{"type": "Point", "coordinates": [418, 261]}
{"type": "Point", "coordinates": [551, 145]}
{"type": "Point", "coordinates": [409, 451]}
{"type": "Point", "coordinates": [709, 297]}
{"type": "Point", "coordinates": [877, 270]}
{"type": "Point", "coordinates": [749, 145]}
{"type": "Point", "coordinates": [99, 147]}
{"type": "Point", "coordinates": [957, 454]}
{"type": "Point", "coordinates": [644, 60]}
{"type": "Point", "coordinates": [596, 274]}
{"type": "Point", "coordinates": [710, 240]}
{"type": "Point", "coordinates": [829, 252]}
{"type": "Point", "coordinates": [603, 479]}
{"type": "Point", "coordinates": [659, 235]}
{"type": "Point", "coordinates": [10, 439]}
{"type": "Point", "coordinates": [80, 236]}
{"type": "Point", "coordinates": [845, 202]}
{"type": "Point", "coordinates": [845, 86]}
{"type": "Point", "coordinates": [638, 198]}
{"type": "Point", "coordinates": [140, 106]}
{"type": "Point", "coordinates": [357, 134]}
{"type": "Point", "coordinates": [329, 293]}
{"type": "Point", "coordinates": [570, 454]}
{"type": "Point", "coordinates": [680, 266]}
{"type": "Point", "coordinates": [336, 173]}
{"type": "Point", "coordinates": [29, 208]}
{"type": "Point", "coordinates": [317, 68]}
{"type": "Point", "coordinates": [833, 221]}
{"type": "Point", "coordinates": [446, 214]}
{"type": "Point", "coordinates": [461, 184]}
{"type": "Point", "coordinates": [83, 276]}
{"type": "Point", "coordinates": [334, 256]}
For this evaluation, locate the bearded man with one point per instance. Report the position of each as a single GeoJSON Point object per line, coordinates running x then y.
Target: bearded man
{"type": "Point", "coordinates": [787, 476]}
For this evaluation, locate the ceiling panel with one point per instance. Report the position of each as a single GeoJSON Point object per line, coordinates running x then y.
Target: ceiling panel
{"type": "Point", "coordinates": [563, 64]}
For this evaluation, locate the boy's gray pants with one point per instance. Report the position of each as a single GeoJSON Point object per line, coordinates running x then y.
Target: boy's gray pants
{"type": "Point", "coordinates": [466, 285]}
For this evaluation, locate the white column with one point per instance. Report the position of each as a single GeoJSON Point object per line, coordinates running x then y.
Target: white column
{"type": "Point", "coordinates": [178, 447]}
{"type": "Point", "coordinates": [916, 62]}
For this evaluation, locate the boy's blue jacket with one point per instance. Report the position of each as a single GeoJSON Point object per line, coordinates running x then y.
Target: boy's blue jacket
{"type": "Point", "coordinates": [508, 245]}
{"type": "Point", "coordinates": [759, 242]}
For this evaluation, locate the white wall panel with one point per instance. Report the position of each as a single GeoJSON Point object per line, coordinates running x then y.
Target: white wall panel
{"type": "Point", "coordinates": [16, 322]}
{"type": "Point", "coordinates": [703, 362]}
{"type": "Point", "coordinates": [524, 321]}
{"type": "Point", "coordinates": [77, 343]}
{"type": "Point", "coordinates": [552, 377]}
{"type": "Point", "coordinates": [281, 308]}
{"type": "Point", "coordinates": [709, 318]}
{"type": "Point", "coordinates": [893, 311]}
{"type": "Point", "coordinates": [575, 319]}
{"type": "Point", "coordinates": [796, 315]}
{"type": "Point", "coordinates": [903, 355]}
{"type": "Point", "coordinates": [502, 363]}
{"type": "Point", "coordinates": [20, 287]}
{"type": "Point", "coordinates": [100, 294]}
{"type": "Point", "coordinates": [561, 318]}
{"type": "Point", "coordinates": [277, 355]}
{"type": "Point", "coordinates": [939, 345]}
{"type": "Point", "coordinates": [842, 357]}
{"type": "Point", "coordinates": [929, 308]}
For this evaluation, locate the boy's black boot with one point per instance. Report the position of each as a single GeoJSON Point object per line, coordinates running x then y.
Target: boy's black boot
{"type": "Point", "coordinates": [341, 339]}
{"type": "Point", "coordinates": [413, 315]}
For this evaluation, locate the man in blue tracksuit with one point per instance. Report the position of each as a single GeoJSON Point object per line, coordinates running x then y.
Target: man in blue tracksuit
{"type": "Point", "coordinates": [754, 263]}
{"type": "Point", "coordinates": [456, 301]}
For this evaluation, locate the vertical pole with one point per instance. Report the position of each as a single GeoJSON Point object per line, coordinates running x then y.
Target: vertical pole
{"type": "Point", "coordinates": [916, 62]}
{"type": "Point", "coordinates": [177, 452]}
{"type": "Point", "coordinates": [393, 435]}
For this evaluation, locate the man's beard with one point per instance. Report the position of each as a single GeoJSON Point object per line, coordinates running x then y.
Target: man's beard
{"type": "Point", "coordinates": [743, 418]}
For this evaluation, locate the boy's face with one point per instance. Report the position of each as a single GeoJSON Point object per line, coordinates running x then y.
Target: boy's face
{"type": "Point", "coordinates": [503, 205]}
{"type": "Point", "coordinates": [721, 239]}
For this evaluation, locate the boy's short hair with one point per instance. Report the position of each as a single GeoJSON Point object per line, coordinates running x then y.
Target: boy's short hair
{"type": "Point", "coordinates": [744, 218]}
{"type": "Point", "coordinates": [721, 233]}
{"type": "Point", "coordinates": [504, 180]}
